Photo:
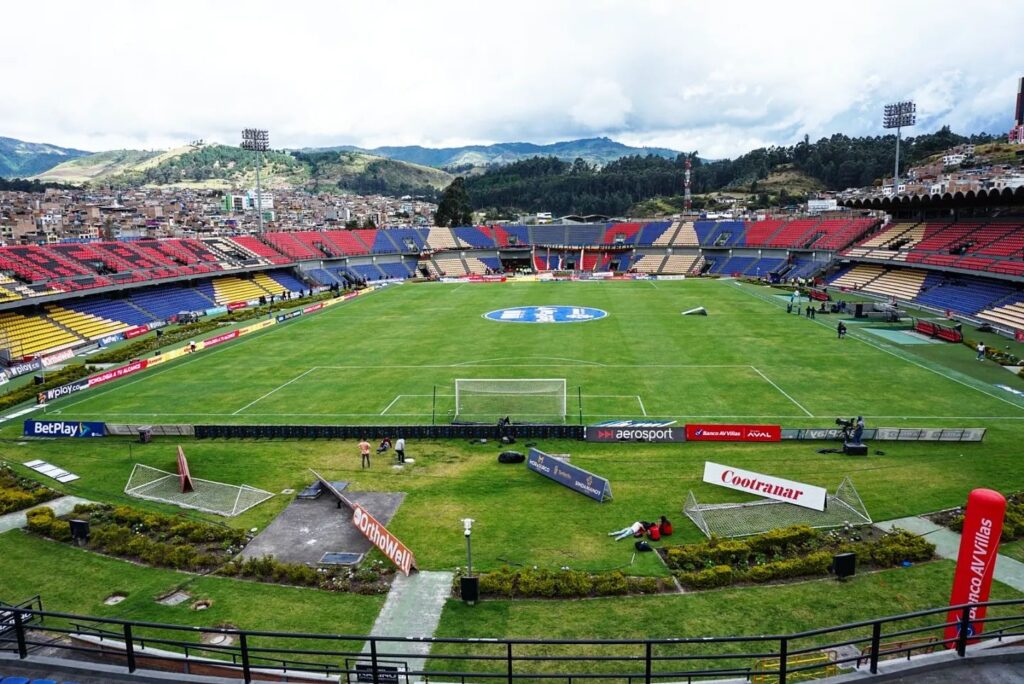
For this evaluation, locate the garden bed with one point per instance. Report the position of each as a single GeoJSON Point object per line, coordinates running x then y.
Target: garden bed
{"type": "Point", "coordinates": [509, 583]}
{"type": "Point", "coordinates": [175, 542]}
{"type": "Point", "coordinates": [790, 553]}
{"type": "Point", "coordinates": [18, 493]}
{"type": "Point", "coordinates": [1013, 523]}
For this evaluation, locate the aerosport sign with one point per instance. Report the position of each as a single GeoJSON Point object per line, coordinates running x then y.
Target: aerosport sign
{"type": "Point", "coordinates": [767, 486]}
{"type": "Point", "coordinates": [597, 433]}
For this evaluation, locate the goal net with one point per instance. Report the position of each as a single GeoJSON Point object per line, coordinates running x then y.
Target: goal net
{"type": "Point", "coordinates": [756, 517]}
{"type": "Point", "coordinates": [218, 498]}
{"type": "Point", "coordinates": [531, 400]}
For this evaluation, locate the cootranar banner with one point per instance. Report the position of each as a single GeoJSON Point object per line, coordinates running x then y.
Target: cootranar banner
{"type": "Point", "coordinates": [767, 486]}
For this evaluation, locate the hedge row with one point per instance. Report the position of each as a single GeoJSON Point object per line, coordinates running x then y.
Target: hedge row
{"type": "Point", "coordinates": [538, 583]}
{"type": "Point", "coordinates": [890, 550]}
{"type": "Point", "coordinates": [774, 545]}
{"type": "Point", "coordinates": [1013, 523]}
{"type": "Point", "coordinates": [145, 346]}
{"type": "Point", "coordinates": [370, 578]}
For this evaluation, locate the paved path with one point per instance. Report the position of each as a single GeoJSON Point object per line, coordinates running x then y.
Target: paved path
{"type": "Point", "coordinates": [947, 545]}
{"type": "Point", "coordinates": [412, 609]}
{"type": "Point", "coordinates": [61, 506]}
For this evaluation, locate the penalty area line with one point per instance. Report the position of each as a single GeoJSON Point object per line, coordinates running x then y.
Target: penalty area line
{"type": "Point", "coordinates": [393, 402]}
{"type": "Point", "coordinates": [279, 387]}
{"type": "Point", "coordinates": [782, 391]}
{"type": "Point", "coordinates": [641, 404]}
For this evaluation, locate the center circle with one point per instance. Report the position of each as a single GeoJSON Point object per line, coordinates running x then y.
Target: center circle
{"type": "Point", "coordinates": [546, 314]}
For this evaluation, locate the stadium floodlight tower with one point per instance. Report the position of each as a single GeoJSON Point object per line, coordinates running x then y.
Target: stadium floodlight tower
{"type": "Point", "coordinates": [899, 115]}
{"type": "Point", "coordinates": [257, 140]}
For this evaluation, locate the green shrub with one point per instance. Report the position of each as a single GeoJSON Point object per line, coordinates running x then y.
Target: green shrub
{"type": "Point", "coordinates": [498, 583]}
{"type": "Point", "coordinates": [898, 546]}
{"type": "Point", "coordinates": [611, 584]}
{"type": "Point", "coordinates": [718, 576]}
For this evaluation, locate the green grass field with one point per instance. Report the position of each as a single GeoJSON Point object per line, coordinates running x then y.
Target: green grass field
{"type": "Point", "coordinates": [379, 360]}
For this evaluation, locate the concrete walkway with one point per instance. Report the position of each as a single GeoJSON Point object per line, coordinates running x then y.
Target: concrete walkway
{"type": "Point", "coordinates": [61, 506]}
{"type": "Point", "coordinates": [412, 609]}
{"type": "Point", "coordinates": [947, 545]}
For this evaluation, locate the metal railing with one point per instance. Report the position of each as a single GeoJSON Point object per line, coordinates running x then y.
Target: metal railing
{"type": "Point", "coordinates": [249, 654]}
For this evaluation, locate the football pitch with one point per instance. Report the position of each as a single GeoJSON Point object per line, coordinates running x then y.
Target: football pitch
{"type": "Point", "coordinates": [393, 358]}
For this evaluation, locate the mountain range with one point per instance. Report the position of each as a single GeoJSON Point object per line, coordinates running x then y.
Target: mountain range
{"type": "Point", "coordinates": [597, 151]}
{"type": "Point", "coordinates": [22, 159]}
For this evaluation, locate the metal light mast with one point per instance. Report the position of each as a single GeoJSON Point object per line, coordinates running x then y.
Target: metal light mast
{"type": "Point", "coordinates": [687, 200]}
{"type": "Point", "coordinates": [898, 115]}
{"type": "Point", "coordinates": [258, 141]}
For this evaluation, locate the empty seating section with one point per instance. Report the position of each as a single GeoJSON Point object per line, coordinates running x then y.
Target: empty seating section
{"type": "Point", "coordinates": [450, 266]}
{"type": "Point", "coordinates": [1007, 315]}
{"type": "Point", "coordinates": [260, 249]}
{"type": "Point", "coordinates": [365, 240]}
{"type": "Point", "coordinates": [936, 237]}
{"type": "Point", "coordinates": [686, 236]}
{"type": "Point", "coordinates": [472, 236]}
{"type": "Point", "coordinates": [513, 235]}
{"type": "Point", "coordinates": [38, 264]}
{"type": "Point", "coordinates": [626, 231]}
{"type": "Point", "coordinates": [286, 243]}
{"type": "Point", "coordinates": [347, 241]}
{"type": "Point", "coordinates": [667, 237]}
{"type": "Point", "coordinates": [111, 309]}
{"type": "Point", "coordinates": [549, 235]}
{"type": "Point", "coordinates": [650, 263]}
{"type": "Point", "coordinates": [324, 277]}
{"type": "Point", "coordinates": [804, 268]}
{"type": "Point", "coordinates": [704, 229]}
{"type": "Point", "coordinates": [759, 232]}
{"type": "Point", "coordinates": [367, 272]}
{"type": "Point", "coordinates": [287, 280]}
{"type": "Point", "coordinates": [441, 238]}
{"type": "Point", "coordinates": [680, 263]}
{"type": "Point", "coordinates": [736, 265]}
{"type": "Point", "coordinates": [726, 234]}
{"type": "Point", "coordinates": [586, 234]}
{"type": "Point", "coordinates": [795, 234]}
{"type": "Point", "coordinates": [164, 302]}
{"type": "Point", "coordinates": [590, 261]}
{"type": "Point", "coordinates": [837, 233]}
{"type": "Point", "coordinates": [1006, 239]}
{"type": "Point", "coordinates": [408, 240]}
{"type": "Point", "coordinates": [235, 289]}
{"type": "Point", "coordinates": [856, 277]}
{"type": "Point", "coordinates": [493, 263]}
{"type": "Point", "coordinates": [764, 266]}
{"type": "Point", "coordinates": [320, 244]}
{"type": "Point", "coordinates": [475, 266]}
{"type": "Point", "coordinates": [395, 269]}
{"type": "Point", "coordinates": [964, 295]}
{"type": "Point", "coordinates": [86, 325]}
{"type": "Point", "coordinates": [428, 266]}
{"type": "Point", "coordinates": [652, 231]}
{"type": "Point", "coordinates": [383, 244]}
{"type": "Point", "coordinates": [28, 335]}
{"type": "Point", "coordinates": [902, 283]}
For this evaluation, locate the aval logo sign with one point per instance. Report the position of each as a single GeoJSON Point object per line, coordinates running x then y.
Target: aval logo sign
{"type": "Point", "coordinates": [546, 314]}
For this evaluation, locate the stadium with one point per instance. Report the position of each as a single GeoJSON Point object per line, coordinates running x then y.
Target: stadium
{"type": "Point", "coordinates": [231, 380]}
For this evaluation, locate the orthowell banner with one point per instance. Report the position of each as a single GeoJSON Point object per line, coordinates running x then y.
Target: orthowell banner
{"type": "Point", "coordinates": [64, 428]}
{"type": "Point", "coordinates": [568, 475]}
{"type": "Point", "coordinates": [379, 535]}
{"type": "Point", "coordinates": [733, 433]}
{"type": "Point", "coordinates": [767, 486]}
{"type": "Point", "coordinates": [597, 433]}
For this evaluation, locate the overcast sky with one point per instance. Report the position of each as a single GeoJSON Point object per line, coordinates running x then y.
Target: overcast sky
{"type": "Point", "coordinates": [715, 76]}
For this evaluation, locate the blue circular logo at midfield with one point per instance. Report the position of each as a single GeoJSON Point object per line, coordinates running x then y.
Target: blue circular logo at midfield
{"type": "Point", "coordinates": [546, 314]}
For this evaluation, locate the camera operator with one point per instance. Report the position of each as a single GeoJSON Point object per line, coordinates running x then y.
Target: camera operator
{"type": "Point", "coordinates": [846, 433]}
{"type": "Point", "coordinates": [858, 429]}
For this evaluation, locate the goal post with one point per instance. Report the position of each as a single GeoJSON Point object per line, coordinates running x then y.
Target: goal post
{"type": "Point", "coordinates": [524, 400]}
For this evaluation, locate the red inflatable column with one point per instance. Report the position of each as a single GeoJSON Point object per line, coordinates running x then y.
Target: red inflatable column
{"type": "Point", "coordinates": [976, 562]}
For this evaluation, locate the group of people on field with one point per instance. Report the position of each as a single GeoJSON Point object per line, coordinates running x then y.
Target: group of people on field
{"type": "Point", "coordinates": [642, 528]}
{"type": "Point", "coordinates": [385, 445]}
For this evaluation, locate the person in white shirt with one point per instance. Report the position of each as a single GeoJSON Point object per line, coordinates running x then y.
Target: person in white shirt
{"type": "Point", "coordinates": [400, 449]}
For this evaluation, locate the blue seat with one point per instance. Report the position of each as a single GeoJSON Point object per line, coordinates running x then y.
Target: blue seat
{"type": "Point", "coordinates": [14, 680]}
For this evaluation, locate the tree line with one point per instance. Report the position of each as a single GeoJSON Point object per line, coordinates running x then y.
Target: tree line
{"type": "Point", "coordinates": [838, 162]}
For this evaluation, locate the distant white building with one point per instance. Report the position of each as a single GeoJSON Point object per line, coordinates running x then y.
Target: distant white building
{"type": "Point", "coordinates": [953, 159]}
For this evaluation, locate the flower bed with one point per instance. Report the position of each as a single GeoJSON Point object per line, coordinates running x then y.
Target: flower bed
{"type": "Point", "coordinates": [18, 493]}
{"type": "Point", "coordinates": [1013, 523]}
{"type": "Point", "coordinates": [182, 544]}
{"type": "Point", "coordinates": [790, 553]}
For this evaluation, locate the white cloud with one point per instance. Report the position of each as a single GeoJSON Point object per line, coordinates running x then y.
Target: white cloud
{"type": "Point", "coordinates": [718, 77]}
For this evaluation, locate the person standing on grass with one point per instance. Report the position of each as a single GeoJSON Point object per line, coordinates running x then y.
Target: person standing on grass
{"type": "Point", "coordinates": [841, 330]}
{"type": "Point", "coordinates": [364, 452]}
{"type": "Point", "coordinates": [400, 449]}
{"type": "Point", "coordinates": [981, 351]}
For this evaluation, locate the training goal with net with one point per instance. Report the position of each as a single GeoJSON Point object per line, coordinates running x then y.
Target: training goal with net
{"type": "Point", "coordinates": [218, 498]}
{"type": "Point", "coordinates": [527, 400]}
{"type": "Point", "coordinates": [756, 517]}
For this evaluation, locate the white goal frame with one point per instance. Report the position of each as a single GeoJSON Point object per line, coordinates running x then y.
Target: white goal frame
{"type": "Point", "coordinates": [552, 388]}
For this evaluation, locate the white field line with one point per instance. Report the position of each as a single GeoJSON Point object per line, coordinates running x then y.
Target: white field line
{"type": "Point", "coordinates": [540, 365]}
{"type": "Point", "coordinates": [676, 415]}
{"type": "Point", "coordinates": [393, 402]}
{"type": "Point", "coordinates": [641, 404]}
{"type": "Point", "coordinates": [279, 387]}
{"type": "Point", "coordinates": [782, 391]}
{"type": "Point", "coordinates": [523, 358]}
{"type": "Point", "coordinates": [860, 338]}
